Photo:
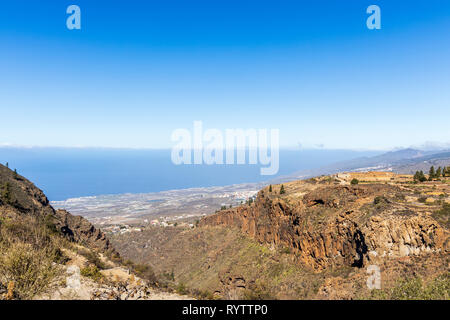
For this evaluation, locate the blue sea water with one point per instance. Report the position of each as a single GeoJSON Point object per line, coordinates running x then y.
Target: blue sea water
{"type": "Point", "coordinates": [64, 173]}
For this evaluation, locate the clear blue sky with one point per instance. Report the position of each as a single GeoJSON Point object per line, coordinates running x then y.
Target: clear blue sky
{"type": "Point", "coordinates": [137, 70]}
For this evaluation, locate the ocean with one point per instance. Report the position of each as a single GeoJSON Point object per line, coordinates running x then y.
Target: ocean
{"type": "Point", "coordinates": [64, 173]}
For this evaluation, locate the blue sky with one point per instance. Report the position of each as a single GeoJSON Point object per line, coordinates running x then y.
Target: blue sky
{"type": "Point", "coordinates": [137, 70]}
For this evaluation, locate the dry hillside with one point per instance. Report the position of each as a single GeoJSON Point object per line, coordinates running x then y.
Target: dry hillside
{"type": "Point", "coordinates": [48, 254]}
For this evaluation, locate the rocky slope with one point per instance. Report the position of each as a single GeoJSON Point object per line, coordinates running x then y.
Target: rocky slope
{"type": "Point", "coordinates": [26, 199]}
{"type": "Point", "coordinates": [48, 254]}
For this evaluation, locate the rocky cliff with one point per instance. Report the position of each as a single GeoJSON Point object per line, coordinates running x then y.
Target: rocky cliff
{"type": "Point", "coordinates": [326, 222]}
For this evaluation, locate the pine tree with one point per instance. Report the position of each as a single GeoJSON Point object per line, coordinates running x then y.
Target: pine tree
{"type": "Point", "coordinates": [432, 174]}
{"type": "Point", "coordinates": [270, 188]}
{"type": "Point", "coordinates": [447, 171]}
{"type": "Point", "coordinates": [438, 172]}
{"type": "Point", "coordinates": [422, 177]}
{"type": "Point", "coordinates": [7, 165]}
{"type": "Point", "coordinates": [282, 191]}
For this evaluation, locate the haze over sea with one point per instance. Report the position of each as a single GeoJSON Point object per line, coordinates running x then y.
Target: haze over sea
{"type": "Point", "coordinates": [64, 173]}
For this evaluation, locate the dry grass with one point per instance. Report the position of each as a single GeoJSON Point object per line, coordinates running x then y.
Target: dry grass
{"type": "Point", "coordinates": [29, 252]}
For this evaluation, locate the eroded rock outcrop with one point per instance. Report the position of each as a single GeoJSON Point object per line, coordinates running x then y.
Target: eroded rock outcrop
{"type": "Point", "coordinates": [336, 225]}
{"type": "Point", "coordinates": [80, 230]}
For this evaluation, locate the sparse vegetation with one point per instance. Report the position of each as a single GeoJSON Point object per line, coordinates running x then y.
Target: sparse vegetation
{"type": "Point", "coordinates": [6, 195]}
{"type": "Point", "coordinates": [257, 291]}
{"type": "Point", "coordinates": [142, 270]}
{"type": "Point", "coordinates": [442, 215]}
{"type": "Point", "coordinates": [416, 289]}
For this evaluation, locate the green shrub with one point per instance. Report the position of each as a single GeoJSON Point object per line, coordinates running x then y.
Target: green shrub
{"type": "Point", "coordinates": [181, 288]}
{"type": "Point", "coordinates": [93, 258]}
{"type": "Point", "coordinates": [354, 181]}
{"type": "Point", "coordinates": [92, 272]}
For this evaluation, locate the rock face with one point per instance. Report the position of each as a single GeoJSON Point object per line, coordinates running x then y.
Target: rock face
{"type": "Point", "coordinates": [26, 199]}
{"type": "Point", "coordinates": [80, 230]}
{"type": "Point", "coordinates": [336, 224]}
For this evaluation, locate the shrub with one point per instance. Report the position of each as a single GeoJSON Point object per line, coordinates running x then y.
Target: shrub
{"type": "Point", "coordinates": [28, 251]}
{"type": "Point", "coordinates": [93, 258]}
{"type": "Point", "coordinates": [257, 291]}
{"type": "Point", "coordinates": [30, 270]}
{"type": "Point", "coordinates": [92, 272]}
{"type": "Point", "coordinates": [181, 288]}
{"type": "Point", "coordinates": [285, 250]}
{"type": "Point", "coordinates": [144, 271]}
{"type": "Point", "coordinates": [422, 199]}
{"type": "Point", "coordinates": [379, 199]}
{"type": "Point", "coordinates": [354, 181]}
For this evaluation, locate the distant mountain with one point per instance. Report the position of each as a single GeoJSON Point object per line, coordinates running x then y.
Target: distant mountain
{"type": "Point", "coordinates": [401, 161]}
{"type": "Point", "coordinates": [424, 163]}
